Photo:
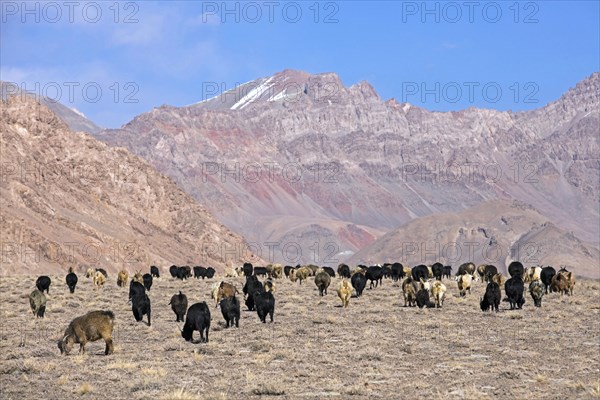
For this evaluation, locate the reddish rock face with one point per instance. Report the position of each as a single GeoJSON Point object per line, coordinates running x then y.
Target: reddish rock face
{"type": "Point", "coordinates": [357, 236]}
{"type": "Point", "coordinates": [333, 156]}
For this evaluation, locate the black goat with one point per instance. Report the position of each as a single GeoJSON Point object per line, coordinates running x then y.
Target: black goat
{"type": "Point", "coordinates": [179, 304]}
{"type": "Point", "coordinates": [197, 319]}
{"type": "Point", "coordinates": [71, 281]}
{"type": "Point", "coordinates": [265, 304]}
{"type": "Point", "coordinates": [230, 308]}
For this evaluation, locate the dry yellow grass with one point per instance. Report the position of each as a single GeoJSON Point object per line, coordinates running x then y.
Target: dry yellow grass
{"type": "Point", "coordinates": [179, 394]}
{"type": "Point", "coordinates": [122, 365]}
{"type": "Point", "coordinates": [85, 388]}
{"type": "Point", "coordinates": [154, 372]}
{"type": "Point", "coordinates": [375, 348]}
{"type": "Point", "coordinates": [62, 380]}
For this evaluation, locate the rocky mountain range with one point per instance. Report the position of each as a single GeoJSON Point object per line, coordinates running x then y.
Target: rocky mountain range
{"type": "Point", "coordinates": [309, 170]}
{"type": "Point", "coordinates": [69, 200]}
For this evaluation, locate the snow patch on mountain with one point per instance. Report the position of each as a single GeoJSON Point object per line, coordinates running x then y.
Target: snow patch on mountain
{"type": "Point", "coordinates": [253, 95]}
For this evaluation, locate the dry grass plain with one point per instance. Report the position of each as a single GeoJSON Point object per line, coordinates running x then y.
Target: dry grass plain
{"type": "Point", "coordinates": [376, 348]}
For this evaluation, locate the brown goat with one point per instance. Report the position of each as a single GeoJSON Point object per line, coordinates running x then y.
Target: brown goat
{"type": "Point", "coordinates": [37, 301]}
{"type": "Point", "coordinates": [275, 271]}
{"type": "Point", "coordinates": [99, 280]}
{"type": "Point", "coordinates": [313, 269]}
{"type": "Point", "coordinates": [571, 279]}
{"type": "Point", "coordinates": [138, 277]}
{"type": "Point", "coordinates": [322, 280]}
{"type": "Point", "coordinates": [481, 270]}
{"type": "Point", "coordinates": [345, 292]}
{"type": "Point", "coordinates": [90, 327]}
{"type": "Point", "coordinates": [563, 282]}
{"type": "Point", "coordinates": [122, 278]}
{"type": "Point", "coordinates": [222, 291]}
{"type": "Point", "coordinates": [410, 288]}
{"type": "Point", "coordinates": [499, 279]}
{"type": "Point", "coordinates": [303, 273]}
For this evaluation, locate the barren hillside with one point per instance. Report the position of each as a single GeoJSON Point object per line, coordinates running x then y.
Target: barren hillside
{"type": "Point", "coordinates": [68, 199]}
{"type": "Point", "coordinates": [496, 232]}
{"type": "Point", "coordinates": [74, 119]}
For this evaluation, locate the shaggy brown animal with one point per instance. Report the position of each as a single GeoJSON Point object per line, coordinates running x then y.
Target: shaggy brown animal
{"type": "Point", "coordinates": [222, 290]}
{"type": "Point", "coordinates": [499, 279]}
{"type": "Point", "coordinates": [37, 301]}
{"type": "Point", "coordinates": [322, 280]}
{"type": "Point", "coordinates": [90, 327]}
{"type": "Point", "coordinates": [481, 270]}
{"type": "Point", "coordinates": [138, 277]}
{"type": "Point", "coordinates": [99, 280]}
{"type": "Point", "coordinates": [410, 288]}
{"type": "Point", "coordinates": [275, 271]}
{"type": "Point", "coordinates": [563, 282]}
{"type": "Point", "coordinates": [303, 273]}
{"type": "Point", "coordinates": [345, 292]}
{"type": "Point", "coordinates": [313, 269]}
{"type": "Point", "coordinates": [466, 268]}
{"type": "Point", "coordinates": [122, 278]}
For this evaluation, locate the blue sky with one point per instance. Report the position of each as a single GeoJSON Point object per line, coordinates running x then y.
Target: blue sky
{"type": "Point", "coordinates": [439, 55]}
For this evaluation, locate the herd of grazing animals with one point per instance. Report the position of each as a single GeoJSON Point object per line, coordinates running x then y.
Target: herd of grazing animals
{"type": "Point", "coordinates": [419, 284]}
